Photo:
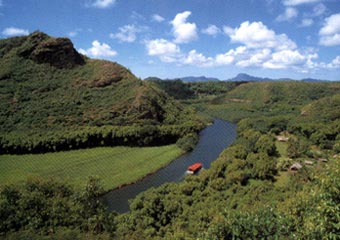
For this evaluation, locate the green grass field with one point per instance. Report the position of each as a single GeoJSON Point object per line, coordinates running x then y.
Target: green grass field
{"type": "Point", "coordinates": [114, 166]}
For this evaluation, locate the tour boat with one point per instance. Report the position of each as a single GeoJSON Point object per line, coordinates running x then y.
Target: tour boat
{"type": "Point", "coordinates": [195, 167]}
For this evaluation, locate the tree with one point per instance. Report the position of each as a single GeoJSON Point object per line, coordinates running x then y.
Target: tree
{"type": "Point", "coordinates": [266, 144]}
{"type": "Point", "coordinates": [188, 142]}
{"type": "Point", "coordinates": [262, 166]}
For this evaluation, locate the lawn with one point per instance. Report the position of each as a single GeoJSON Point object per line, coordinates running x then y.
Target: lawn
{"type": "Point", "coordinates": [115, 166]}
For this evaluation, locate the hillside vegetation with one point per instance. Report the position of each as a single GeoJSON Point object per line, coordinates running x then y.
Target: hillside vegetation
{"type": "Point", "coordinates": [53, 98]}
{"type": "Point", "coordinates": [268, 99]}
{"type": "Point", "coordinates": [251, 191]}
{"type": "Point", "coordinates": [279, 180]}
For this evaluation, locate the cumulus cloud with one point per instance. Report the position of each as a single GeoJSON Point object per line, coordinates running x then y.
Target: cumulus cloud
{"type": "Point", "coordinates": [335, 63]}
{"type": "Point", "coordinates": [298, 2]}
{"type": "Point", "coordinates": [230, 56]}
{"type": "Point", "coordinates": [102, 3]}
{"type": "Point", "coordinates": [262, 47]}
{"type": "Point", "coordinates": [256, 58]}
{"type": "Point", "coordinates": [165, 50]}
{"type": "Point", "coordinates": [289, 14]}
{"type": "Point", "coordinates": [126, 33]}
{"type": "Point", "coordinates": [183, 31]}
{"type": "Point", "coordinates": [330, 32]}
{"type": "Point", "coordinates": [99, 50]}
{"type": "Point", "coordinates": [285, 59]}
{"type": "Point", "coordinates": [212, 30]}
{"type": "Point", "coordinates": [257, 35]}
{"type": "Point", "coordinates": [259, 47]}
{"type": "Point", "coordinates": [12, 31]}
{"type": "Point", "coordinates": [157, 18]}
{"type": "Point", "coordinates": [197, 59]}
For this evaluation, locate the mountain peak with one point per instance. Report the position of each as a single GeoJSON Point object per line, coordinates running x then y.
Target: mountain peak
{"type": "Point", "coordinates": [246, 77]}
{"type": "Point", "coordinates": [41, 48]}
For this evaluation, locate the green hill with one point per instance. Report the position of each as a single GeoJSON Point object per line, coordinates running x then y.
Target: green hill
{"type": "Point", "coordinates": [267, 99]}
{"type": "Point", "coordinates": [260, 187]}
{"type": "Point", "coordinates": [53, 98]}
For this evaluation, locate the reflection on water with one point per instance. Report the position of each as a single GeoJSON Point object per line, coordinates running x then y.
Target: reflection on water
{"type": "Point", "coordinates": [212, 141]}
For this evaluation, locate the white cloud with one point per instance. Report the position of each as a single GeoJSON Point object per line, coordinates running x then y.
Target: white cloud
{"type": "Point", "coordinates": [306, 22]}
{"type": "Point", "coordinates": [331, 25]}
{"type": "Point", "coordinates": [75, 32]}
{"type": "Point", "coordinates": [137, 17]}
{"type": "Point", "coordinates": [165, 50]}
{"type": "Point", "coordinates": [126, 33]}
{"type": "Point", "coordinates": [99, 50]}
{"type": "Point", "coordinates": [284, 59]}
{"type": "Point", "coordinates": [330, 40]}
{"type": "Point", "coordinates": [330, 32]}
{"type": "Point", "coordinates": [183, 31]}
{"type": "Point", "coordinates": [298, 2]}
{"type": "Point", "coordinates": [197, 59]}
{"type": "Point", "coordinates": [335, 63]}
{"type": "Point", "coordinates": [12, 31]}
{"type": "Point", "coordinates": [289, 14]}
{"type": "Point", "coordinates": [158, 18]}
{"type": "Point", "coordinates": [319, 9]}
{"type": "Point", "coordinates": [257, 35]}
{"type": "Point", "coordinates": [102, 3]}
{"type": "Point", "coordinates": [259, 47]}
{"type": "Point", "coordinates": [230, 56]}
{"type": "Point", "coordinates": [212, 30]}
{"type": "Point", "coordinates": [256, 58]}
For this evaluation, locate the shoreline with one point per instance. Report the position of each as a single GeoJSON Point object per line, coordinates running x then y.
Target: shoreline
{"type": "Point", "coordinates": [142, 178]}
{"type": "Point", "coordinates": [210, 122]}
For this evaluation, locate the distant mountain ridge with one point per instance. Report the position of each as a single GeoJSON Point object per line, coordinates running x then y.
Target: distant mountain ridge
{"type": "Point", "coordinates": [198, 79]}
{"type": "Point", "coordinates": [241, 77]}
{"type": "Point", "coordinates": [247, 77]}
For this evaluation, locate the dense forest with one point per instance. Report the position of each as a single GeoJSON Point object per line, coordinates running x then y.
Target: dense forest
{"type": "Point", "coordinates": [53, 98]}
{"type": "Point", "coordinates": [279, 180]}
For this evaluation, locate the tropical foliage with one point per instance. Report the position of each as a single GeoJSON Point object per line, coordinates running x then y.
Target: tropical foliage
{"type": "Point", "coordinates": [52, 98]}
{"type": "Point", "coordinates": [279, 180]}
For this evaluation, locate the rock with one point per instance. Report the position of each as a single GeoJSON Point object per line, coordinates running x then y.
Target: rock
{"type": "Point", "coordinates": [58, 52]}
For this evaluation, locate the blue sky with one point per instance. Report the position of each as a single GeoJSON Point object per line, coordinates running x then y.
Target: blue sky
{"type": "Point", "coordinates": [172, 38]}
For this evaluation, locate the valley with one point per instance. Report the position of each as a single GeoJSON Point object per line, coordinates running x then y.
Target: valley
{"type": "Point", "coordinates": [72, 128]}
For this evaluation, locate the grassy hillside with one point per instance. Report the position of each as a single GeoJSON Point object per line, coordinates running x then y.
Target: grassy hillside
{"type": "Point", "coordinates": [49, 90]}
{"type": "Point", "coordinates": [249, 192]}
{"type": "Point", "coordinates": [256, 99]}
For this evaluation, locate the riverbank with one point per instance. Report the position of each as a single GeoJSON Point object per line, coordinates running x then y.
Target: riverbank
{"type": "Point", "coordinates": [212, 141]}
{"type": "Point", "coordinates": [115, 166]}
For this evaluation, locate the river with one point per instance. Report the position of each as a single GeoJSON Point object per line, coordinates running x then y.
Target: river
{"type": "Point", "coordinates": [212, 141]}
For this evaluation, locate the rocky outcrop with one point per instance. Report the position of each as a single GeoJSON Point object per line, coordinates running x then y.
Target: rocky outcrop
{"type": "Point", "coordinates": [58, 52]}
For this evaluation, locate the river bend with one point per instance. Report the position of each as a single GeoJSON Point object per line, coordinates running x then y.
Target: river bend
{"type": "Point", "coordinates": [212, 141]}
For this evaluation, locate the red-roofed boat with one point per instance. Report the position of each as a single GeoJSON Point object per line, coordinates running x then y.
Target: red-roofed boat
{"type": "Point", "coordinates": [195, 167]}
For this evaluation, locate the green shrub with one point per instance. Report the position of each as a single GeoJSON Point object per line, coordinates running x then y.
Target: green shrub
{"type": "Point", "coordinates": [188, 142]}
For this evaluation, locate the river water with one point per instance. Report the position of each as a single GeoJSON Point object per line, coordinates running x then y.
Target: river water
{"type": "Point", "coordinates": [213, 140]}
